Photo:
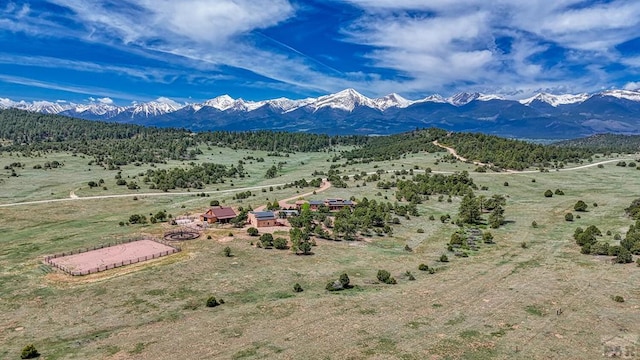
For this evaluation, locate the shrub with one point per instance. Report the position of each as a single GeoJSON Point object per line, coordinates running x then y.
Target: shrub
{"type": "Point", "coordinates": [409, 276]}
{"type": "Point", "coordinates": [385, 277]}
{"type": "Point", "coordinates": [424, 267]}
{"type": "Point", "coordinates": [617, 237]}
{"type": "Point", "coordinates": [227, 251]}
{"type": "Point", "coordinates": [420, 231]}
{"type": "Point", "coordinates": [345, 281]}
{"type": "Point", "coordinates": [252, 231]}
{"type": "Point", "coordinates": [534, 224]}
{"type": "Point", "coordinates": [568, 217]}
{"type": "Point", "coordinates": [524, 245]}
{"type": "Point", "coordinates": [624, 256]}
{"type": "Point", "coordinates": [431, 217]}
{"type": "Point", "coordinates": [29, 352]}
{"type": "Point", "coordinates": [297, 288]}
{"type": "Point", "coordinates": [638, 261]}
{"type": "Point", "coordinates": [280, 243]}
{"type": "Point", "coordinates": [212, 302]}
{"type": "Point", "coordinates": [266, 240]}
{"type": "Point", "coordinates": [209, 237]}
{"type": "Point", "coordinates": [432, 270]}
{"type": "Point", "coordinates": [580, 206]}
{"type": "Point", "coordinates": [487, 237]}
{"type": "Point", "coordinates": [506, 183]}
{"type": "Point", "coordinates": [548, 193]}
{"type": "Point", "coordinates": [214, 203]}
{"type": "Point", "coordinates": [559, 192]}
{"type": "Point", "coordinates": [618, 298]}
{"type": "Point", "coordinates": [444, 258]}
{"type": "Point", "coordinates": [408, 248]}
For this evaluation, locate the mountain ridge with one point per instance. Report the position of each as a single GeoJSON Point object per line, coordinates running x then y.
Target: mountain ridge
{"type": "Point", "coordinates": [349, 112]}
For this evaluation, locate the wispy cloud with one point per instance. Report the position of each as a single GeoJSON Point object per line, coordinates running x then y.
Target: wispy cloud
{"type": "Point", "coordinates": [66, 88]}
{"type": "Point", "coordinates": [444, 43]}
{"type": "Point", "coordinates": [409, 46]}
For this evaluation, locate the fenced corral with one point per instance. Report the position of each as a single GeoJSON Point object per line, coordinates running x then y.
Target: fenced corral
{"type": "Point", "coordinates": [181, 234]}
{"type": "Point", "coordinates": [110, 256]}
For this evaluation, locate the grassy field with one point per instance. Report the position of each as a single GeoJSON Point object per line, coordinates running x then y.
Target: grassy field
{"type": "Point", "coordinates": [500, 303]}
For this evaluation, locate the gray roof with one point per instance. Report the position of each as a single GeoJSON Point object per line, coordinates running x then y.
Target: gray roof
{"type": "Point", "coordinates": [264, 215]}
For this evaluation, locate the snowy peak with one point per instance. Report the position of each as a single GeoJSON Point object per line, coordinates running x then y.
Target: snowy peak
{"type": "Point", "coordinates": [227, 103]}
{"type": "Point", "coordinates": [555, 100]}
{"type": "Point", "coordinates": [345, 100]}
{"type": "Point", "coordinates": [435, 98]}
{"type": "Point", "coordinates": [45, 107]}
{"type": "Point", "coordinates": [286, 105]}
{"type": "Point", "coordinates": [463, 98]}
{"type": "Point", "coordinates": [6, 103]}
{"type": "Point", "coordinates": [222, 102]}
{"type": "Point", "coordinates": [391, 100]}
{"type": "Point", "coordinates": [97, 109]}
{"type": "Point", "coordinates": [154, 108]}
{"type": "Point", "coordinates": [633, 95]}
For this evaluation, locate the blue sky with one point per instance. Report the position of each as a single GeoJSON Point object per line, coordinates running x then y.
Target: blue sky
{"type": "Point", "coordinates": [192, 50]}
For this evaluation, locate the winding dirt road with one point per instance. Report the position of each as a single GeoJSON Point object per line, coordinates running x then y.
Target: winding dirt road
{"type": "Point", "coordinates": [453, 152]}
{"type": "Point", "coordinates": [284, 203]}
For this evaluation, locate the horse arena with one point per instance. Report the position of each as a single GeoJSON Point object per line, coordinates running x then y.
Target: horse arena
{"type": "Point", "coordinates": [101, 258]}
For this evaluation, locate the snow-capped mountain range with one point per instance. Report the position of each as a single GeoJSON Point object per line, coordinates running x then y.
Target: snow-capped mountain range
{"type": "Point", "coordinates": [348, 111]}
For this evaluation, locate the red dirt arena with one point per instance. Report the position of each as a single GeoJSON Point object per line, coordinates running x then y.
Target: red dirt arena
{"type": "Point", "coordinates": [111, 257]}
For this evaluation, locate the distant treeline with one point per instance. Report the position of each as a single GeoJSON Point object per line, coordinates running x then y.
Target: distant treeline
{"type": "Point", "coordinates": [605, 143]}
{"type": "Point", "coordinates": [118, 144]}
{"type": "Point", "coordinates": [115, 144]}
{"type": "Point", "coordinates": [392, 147]}
{"type": "Point", "coordinates": [512, 154]}
{"type": "Point", "coordinates": [501, 152]}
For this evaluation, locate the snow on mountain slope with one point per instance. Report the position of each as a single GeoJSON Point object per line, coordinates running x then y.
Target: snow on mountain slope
{"type": "Point", "coordinates": [462, 98]}
{"type": "Point", "coordinates": [345, 100]}
{"type": "Point", "coordinates": [391, 100]}
{"type": "Point", "coordinates": [555, 100]}
{"type": "Point", "coordinates": [98, 109]}
{"type": "Point", "coordinates": [633, 95]}
{"type": "Point", "coordinates": [435, 98]}
{"type": "Point", "coordinates": [6, 103]}
{"type": "Point", "coordinates": [222, 102]}
{"type": "Point", "coordinates": [154, 108]}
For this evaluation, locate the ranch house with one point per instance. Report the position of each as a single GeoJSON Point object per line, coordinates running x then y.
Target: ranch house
{"type": "Point", "coordinates": [218, 214]}
{"type": "Point", "coordinates": [332, 204]}
{"type": "Point", "coordinates": [262, 218]}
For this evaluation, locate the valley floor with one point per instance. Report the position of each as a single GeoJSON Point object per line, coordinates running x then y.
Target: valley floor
{"type": "Point", "coordinates": [544, 300]}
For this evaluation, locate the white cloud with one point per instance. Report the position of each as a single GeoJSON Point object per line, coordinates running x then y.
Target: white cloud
{"type": "Point", "coordinates": [634, 85]}
{"type": "Point", "coordinates": [166, 100]}
{"type": "Point", "coordinates": [105, 100]}
{"type": "Point", "coordinates": [441, 44]}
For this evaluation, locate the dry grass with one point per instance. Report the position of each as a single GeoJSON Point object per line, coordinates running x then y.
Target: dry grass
{"type": "Point", "coordinates": [500, 303]}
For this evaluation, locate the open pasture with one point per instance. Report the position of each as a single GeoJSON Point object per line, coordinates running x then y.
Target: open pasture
{"type": "Point", "coordinates": [505, 301]}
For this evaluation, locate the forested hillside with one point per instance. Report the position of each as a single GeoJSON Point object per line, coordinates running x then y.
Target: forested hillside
{"type": "Point", "coordinates": [118, 144]}
{"type": "Point", "coordinates": [605, 143]}
{"type": "Point", "coordinates": [511, 154]}
{"type": "Point", "coordinates": [501, 152]}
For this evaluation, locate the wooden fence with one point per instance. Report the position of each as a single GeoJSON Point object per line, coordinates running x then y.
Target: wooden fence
{"type": "Point", "coordinates": [47, 259]}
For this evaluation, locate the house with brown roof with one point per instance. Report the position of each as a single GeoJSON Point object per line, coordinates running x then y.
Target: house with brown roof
{"type": "Point", "coordinates": [262, 218]}
{"type": "Point", "coordinates": [220, 214]}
